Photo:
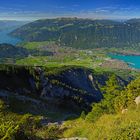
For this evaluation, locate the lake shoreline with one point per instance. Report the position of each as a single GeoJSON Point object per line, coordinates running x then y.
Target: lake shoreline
{"type": "Point", "coordinates": [126, 53]}
{"type": "Point", "coordinates": [5, 37]}
{"type": "Point", "coordinates": [131, 60]}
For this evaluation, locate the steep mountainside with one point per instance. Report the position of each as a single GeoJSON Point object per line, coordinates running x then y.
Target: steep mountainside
{"type": "Point", "coordinates": [78, 85]}
{"type": "Point", "coordinates": [42, 103]}
{"type": "Point", "coordinates": [117, 115]}
{"type": "Point", "coordinates": [82, 33]}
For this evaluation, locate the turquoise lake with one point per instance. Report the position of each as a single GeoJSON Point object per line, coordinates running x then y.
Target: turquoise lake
{"type": "Point", "coordinates": [5, 38]}
{"type": "Point", "coordinates": [133, 61]}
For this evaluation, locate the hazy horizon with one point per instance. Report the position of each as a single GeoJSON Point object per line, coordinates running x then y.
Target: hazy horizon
{"type": "Point", "coordinates": [98, 9]}
{"type": "Point", "coordinates": [31, 20]}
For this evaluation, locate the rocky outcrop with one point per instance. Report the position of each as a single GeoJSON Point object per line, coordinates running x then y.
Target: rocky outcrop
{"type": "Point", "coordinates": [71, 85]}
{"type": "Point", "coordinates": [137, 100]}
{"type": "Point", "coordinates": [74, 138]}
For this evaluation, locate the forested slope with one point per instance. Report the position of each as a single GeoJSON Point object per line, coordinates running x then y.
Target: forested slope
{"type": "Point", "coordinates": [82, 33]}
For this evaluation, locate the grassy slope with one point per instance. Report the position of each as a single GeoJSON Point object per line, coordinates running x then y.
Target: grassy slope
{"type": "Point", "coordinates": [116, 127]}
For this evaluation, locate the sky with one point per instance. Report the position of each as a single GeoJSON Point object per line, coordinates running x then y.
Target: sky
{"type": "Point", "coordinates": [94, 9]}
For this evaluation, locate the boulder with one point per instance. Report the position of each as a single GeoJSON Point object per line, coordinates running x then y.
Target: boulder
{"type": "Point", "coordinates": [137, 100]}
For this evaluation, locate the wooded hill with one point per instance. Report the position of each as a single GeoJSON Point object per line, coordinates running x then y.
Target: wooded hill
{"type": "Point", "coordinates": [82, 33]}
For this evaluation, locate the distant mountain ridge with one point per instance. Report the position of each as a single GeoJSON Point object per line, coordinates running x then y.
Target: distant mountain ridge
{"type": "Point", "coordinates": [11, 24]}
{"type": "Point", "coordinates": [82, 33]}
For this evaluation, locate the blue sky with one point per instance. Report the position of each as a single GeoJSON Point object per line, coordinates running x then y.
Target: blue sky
{"type": "Point", "coordinates": [95, 9]}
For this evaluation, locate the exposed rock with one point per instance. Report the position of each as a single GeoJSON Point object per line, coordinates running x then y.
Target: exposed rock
{"type": "Point", "coordinates": [124, 111]}
{"type": "Point", "coordinates": [72, 84]}
{"type": "Point", "coordinates": [137, 100]}
{"type": "Point", "coordinates": [90, 77]}
{"type": "Point", "coordinates": [4, 94]}
{"type": "Point", "coordinates": [28, 99]}
{"type": "Point", "coordinates": [74, 138]}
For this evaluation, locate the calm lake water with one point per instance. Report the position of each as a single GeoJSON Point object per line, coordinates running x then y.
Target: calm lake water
{"type": "Point", "coordinates": [133, 61]}
{"type": "Point", "coordinates": [5, 38]}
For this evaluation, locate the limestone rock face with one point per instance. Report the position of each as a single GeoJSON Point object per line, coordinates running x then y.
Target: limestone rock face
{"type": "Point", "coordinates": [75, 138]}
{"type": "Point", "coordinates": [90, 77]}
{"type": "Point", "coordinates": [137, 100]}
{"type": "Point", "coordinates": [78, 85]}
{"type": "Point", "coordinates": [75, 85]}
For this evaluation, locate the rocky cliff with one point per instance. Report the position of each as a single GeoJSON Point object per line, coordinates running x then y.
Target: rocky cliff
{"type": "Point", "coordinates": [70, 85]}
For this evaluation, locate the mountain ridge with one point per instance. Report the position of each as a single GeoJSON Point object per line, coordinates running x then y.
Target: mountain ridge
{"type": "Point", "coordinates": [77, 84]}
{"type": "Point", "coordinates": [82, 33]}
